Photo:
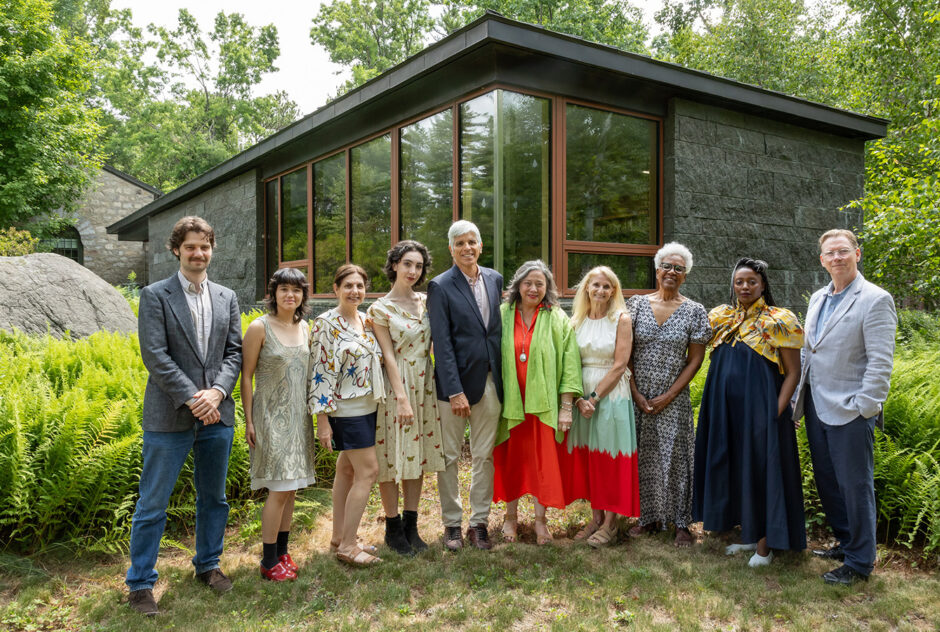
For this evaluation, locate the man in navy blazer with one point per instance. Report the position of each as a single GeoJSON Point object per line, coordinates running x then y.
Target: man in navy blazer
{"type": "Point", "coordinates": [463, 305]}
{"type": "Point", "coordinates": [190, 341]}
{"type": "Point", "coordinates": [848, 354]}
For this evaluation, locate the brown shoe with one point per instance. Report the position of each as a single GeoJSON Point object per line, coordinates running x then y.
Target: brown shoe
{"type": "Point", "coordinates": [143, 602]}
{"type": "Point", "coordinates": [216, 580]}
{"type": "Point", "coordinates": [479, 537]}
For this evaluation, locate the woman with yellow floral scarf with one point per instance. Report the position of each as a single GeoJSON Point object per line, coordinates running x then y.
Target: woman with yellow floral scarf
{"type": "Point", "coordinates": [747, 469]}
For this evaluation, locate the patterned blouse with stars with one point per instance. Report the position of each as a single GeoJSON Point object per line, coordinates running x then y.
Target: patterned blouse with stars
{"type": "Point", "coordinates": [344, 364]}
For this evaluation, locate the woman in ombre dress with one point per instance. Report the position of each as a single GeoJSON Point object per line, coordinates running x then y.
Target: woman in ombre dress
{"type": "Point", "coordinates": [602, 440]}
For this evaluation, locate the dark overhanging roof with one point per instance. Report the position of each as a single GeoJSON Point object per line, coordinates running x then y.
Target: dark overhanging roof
{"type": "Point", "coordinates": [495, 30]}
{"type": "Point", "coordinates": [129, 178]}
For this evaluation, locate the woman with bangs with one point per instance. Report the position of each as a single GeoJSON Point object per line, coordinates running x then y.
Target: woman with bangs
{"type": "Point", "coordinates": [602, 440]}
{"type": "Point", "coordinates": [278, 429]}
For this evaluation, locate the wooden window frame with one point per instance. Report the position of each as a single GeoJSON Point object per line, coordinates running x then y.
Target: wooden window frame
{"type": "Point", "coordinates": [559, 246]}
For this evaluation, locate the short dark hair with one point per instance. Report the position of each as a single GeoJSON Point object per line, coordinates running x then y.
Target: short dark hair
{"type": "Point", "coordinates": [399, 250]}
{"type": "Point", "coordinates": [288, 276]}
{"type": "Point", "coordinates": [189, 224]}
{"type": "Point", "coordinates": [350, 268]}
{"type": "Point", "coordinates": [758, 266]}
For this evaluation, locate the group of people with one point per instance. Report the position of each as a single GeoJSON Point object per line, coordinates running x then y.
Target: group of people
{"type": "Point", "coordinates": [594, 407]}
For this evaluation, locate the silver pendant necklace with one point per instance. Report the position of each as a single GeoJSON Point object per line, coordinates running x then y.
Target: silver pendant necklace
{"type": "Point", "coordinates": [526, 334]}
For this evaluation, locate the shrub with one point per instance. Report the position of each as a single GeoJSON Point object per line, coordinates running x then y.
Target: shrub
{"type": "Point", "coordinates": [16, 243]}
{"type": "Point", "coordinates": [70, 443]}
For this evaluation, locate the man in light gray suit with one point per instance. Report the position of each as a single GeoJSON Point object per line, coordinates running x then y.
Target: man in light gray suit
{"type": "Point", "coordinates": [847, 358]}
{"type": "Point", "coordinates": [190, 341]}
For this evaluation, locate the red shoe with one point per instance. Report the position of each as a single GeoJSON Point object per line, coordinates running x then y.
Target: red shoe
{"type": "Point", "coordinates": [288, 563]}
{"type": "Point", "coordinates": [278, 573]}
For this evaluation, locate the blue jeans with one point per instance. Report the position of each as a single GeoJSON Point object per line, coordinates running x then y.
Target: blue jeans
{"type": "Point", "coordinates": [844, 469]}
{"type": "Point", "coordinates": [164, 455]}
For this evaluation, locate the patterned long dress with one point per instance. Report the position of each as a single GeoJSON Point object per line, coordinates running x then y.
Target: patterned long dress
{"type": "Point", "coordinates": [666, 441]}
{"type": "Point", "coordinates": [405, 452]}
{"type": "Point", "coordinates": [282, 459]}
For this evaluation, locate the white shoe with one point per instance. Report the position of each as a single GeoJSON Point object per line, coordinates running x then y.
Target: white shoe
{"type": "Point", "coordinates": [731, 549]}
{"type": "Point", "coordinates": [761, 560]}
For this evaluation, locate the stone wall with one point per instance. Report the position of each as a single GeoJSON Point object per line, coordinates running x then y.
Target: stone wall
{"type": "Point", "coordinates": [739, 185]}
{"type": "Point", "coordinates": [110, 199]}
{"type": "Point", "coordinates": [231, 209]}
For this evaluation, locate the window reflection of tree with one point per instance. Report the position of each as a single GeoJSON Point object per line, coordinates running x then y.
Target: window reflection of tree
{"type": "Point", "coordinates": [426, 194]}
{"type": "Point", "coordinates": [294, 216]}
{"type": "Point", "coordinates": [371, 203]}
{"type": "Point", "coordinates": [504, 142]}
{"type": "Point", "coordinates": [610, 177]}
{"type": "Point", "coordinates": [329, 220]}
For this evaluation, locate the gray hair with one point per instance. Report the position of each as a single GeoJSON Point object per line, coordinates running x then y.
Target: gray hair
{"type": "Point", "coordinates": [513, 293]}
{"type": "Point", "coordinates": [674, 248]}
{"type": "Point", "coordinates": [462, 227]}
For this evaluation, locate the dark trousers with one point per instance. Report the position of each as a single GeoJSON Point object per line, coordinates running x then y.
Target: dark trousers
{"type": "Point", "coordinates": [844, 468]}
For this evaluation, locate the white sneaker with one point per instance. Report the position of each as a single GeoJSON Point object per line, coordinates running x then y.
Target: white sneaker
{"type": "Point", "coordinates": [761, 560]}
{"type": "Point", "coordinates": [731, 549]}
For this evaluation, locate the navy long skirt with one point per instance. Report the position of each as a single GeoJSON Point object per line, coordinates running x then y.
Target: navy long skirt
{"type": "Point", "coordinates": [747, 468]}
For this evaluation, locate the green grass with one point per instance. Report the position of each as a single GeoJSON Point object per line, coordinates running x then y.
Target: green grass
{"type": "Point", "coordinates": [644, 584]}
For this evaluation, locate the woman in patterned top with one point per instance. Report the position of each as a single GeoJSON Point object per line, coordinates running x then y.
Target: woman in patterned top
{"type": "Point", "coordinates": [346, 385]}
{"type": "Point", "coordinates": [669, 336]}
{"type": "Point", "coordinates": [277, 426]}
{"type": "Point", "coordinates": [747, 469]}
{"type": "Point", "coordinates": [408, 436]}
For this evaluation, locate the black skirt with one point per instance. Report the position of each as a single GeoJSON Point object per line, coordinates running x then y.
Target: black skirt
{"type": "Point", "coordinates": [747, 466]}
{"type": "Point", "coordinates": [353, 433]}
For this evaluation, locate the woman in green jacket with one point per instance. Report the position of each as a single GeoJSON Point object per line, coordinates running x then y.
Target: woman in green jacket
{"type": "Point", "coordinates": [541, 378]}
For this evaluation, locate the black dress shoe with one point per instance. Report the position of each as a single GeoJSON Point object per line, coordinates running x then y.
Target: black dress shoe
{"type": "Point", "coordinates": [453, 539]}
{"type": "Point", "coordinates": [835, 553]}
{"type": "Point", "coordinates": [844, 575]}
{"type": "Point", "coordinates": [479, 537]}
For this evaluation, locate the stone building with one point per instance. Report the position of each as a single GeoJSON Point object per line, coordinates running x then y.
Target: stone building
{"type": "Point", "coordinates": [113, 195]}
{"type": "Point", "coordinates": [557, 147]}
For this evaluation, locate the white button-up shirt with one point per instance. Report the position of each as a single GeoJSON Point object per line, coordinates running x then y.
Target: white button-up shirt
{"type": "Point", "coordinates": [478, 289]}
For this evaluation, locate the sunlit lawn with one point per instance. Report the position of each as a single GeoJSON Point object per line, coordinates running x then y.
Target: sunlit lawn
{"type": "Point", "coordinates": [644, 584]}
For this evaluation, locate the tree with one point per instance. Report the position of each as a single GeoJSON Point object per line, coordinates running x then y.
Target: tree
{"type": "Point", "coordinates": [171, 121]}
{"type": "Point", "coordinates": [371, 36]}
{"type": "Point", "coordinates": [49, 135]}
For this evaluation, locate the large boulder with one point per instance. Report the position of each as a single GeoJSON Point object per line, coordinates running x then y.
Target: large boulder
{"type": "Point", "coordinates": [48, 292]}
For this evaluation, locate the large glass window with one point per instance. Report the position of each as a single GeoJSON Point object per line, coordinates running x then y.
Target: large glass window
{"type": "Point", "coordinates": [371, 203]}
{"type": "Point", "coordinates": [329, 221]}
{"type": "Point", "coordinates": [504, 171]}
{"type": "Point", "coordinates": [610, 176]}
{"type": "Point", "coordinates": [294, 216]}
{"type": "Point", "coordinates": [611, 194]}
{"type": "Point", "coordinates": [427, 184]}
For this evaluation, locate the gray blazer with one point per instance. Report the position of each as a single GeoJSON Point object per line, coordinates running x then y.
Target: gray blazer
{"type": "Point", "coordinates": [170, 353]}
{"type": "Point", "coordinates": [849, 365]}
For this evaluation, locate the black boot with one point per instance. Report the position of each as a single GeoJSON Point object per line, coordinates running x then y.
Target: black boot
{"type": "Point", "coordinates": [395, 536]}
{"type": "Point", "coordinates": [411, 531]}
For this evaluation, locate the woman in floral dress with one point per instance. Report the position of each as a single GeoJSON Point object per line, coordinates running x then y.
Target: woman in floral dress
{"type": "Point", "coordinates": [408, 434]}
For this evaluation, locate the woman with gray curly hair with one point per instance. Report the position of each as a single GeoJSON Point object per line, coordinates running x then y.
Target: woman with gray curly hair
{"type": "Point", "coordinates": [670, 332]}
{"type": "Point", "coordinates": [541, 378]}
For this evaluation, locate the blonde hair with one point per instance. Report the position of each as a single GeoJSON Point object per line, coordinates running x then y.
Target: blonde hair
{"type": "Point", "coordinates": [581, 306]}
{"type": "Point", "coordinates": [838, 232]}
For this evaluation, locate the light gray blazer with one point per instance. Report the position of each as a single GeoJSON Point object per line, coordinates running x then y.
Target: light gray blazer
{"type": "Point", "coordinates": [849, 365]}
{"type": "Point", "coordinates": [170, 353]}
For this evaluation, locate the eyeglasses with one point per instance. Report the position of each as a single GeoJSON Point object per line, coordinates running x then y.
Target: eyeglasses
{"type": "Point", "coordinates": [672, 266]}
{"type": "Point", "coordinates": [842, 252]}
